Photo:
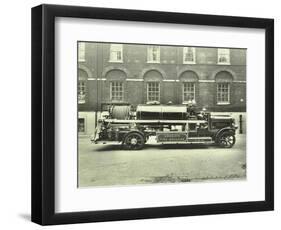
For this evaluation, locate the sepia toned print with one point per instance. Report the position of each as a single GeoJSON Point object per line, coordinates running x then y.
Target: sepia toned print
{"type": "Point", "coordinates": [151, 114]}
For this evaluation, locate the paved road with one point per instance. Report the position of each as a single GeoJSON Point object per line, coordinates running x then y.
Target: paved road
{"type": "Point", "coordinates": [105, 165]}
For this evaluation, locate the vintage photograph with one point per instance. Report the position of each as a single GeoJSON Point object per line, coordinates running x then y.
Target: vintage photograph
{"type": "Point", "coordinates": [154, 114]}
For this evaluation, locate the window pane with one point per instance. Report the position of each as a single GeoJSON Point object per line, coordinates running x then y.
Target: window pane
{"type": "Point", "coordinates": [223, 93]}
{"type": "Point", "coordinates": [81, 125]}
{"type": "Point", "coordinates": [116, 52]}
{"type": "Point", "coordinates": [188, 91]}
{"type": "Point", "coordinates": [153, 54]}
{"type": "Point", "coordinates": [81, 92]}
{"type": "Point", "coordinates": [223, 56]}
{"type": "Point", "coordinates": [81, 51]}
{"type": "Point", "coordinates": [188, 55]}
{"type": "Point", "coordinates": [153, 91]}
{"type": "Point", "coordinates": [116, 91]}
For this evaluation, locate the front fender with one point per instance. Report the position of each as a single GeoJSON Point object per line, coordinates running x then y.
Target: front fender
{"type": "Point", "coordinates": [134, 131]}
{"type": "Point", "coordinates": [226, 129]}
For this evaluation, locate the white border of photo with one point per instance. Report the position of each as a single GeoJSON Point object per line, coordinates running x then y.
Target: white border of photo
{"type": "Point", "coordinates": [70, 198]}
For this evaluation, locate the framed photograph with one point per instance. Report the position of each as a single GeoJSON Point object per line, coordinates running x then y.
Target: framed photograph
{"type": "Point", "coordinates": [143, 114]}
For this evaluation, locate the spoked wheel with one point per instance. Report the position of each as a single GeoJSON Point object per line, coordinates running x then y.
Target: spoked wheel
{"type": "Point", "coordinates": [133, 141]}
{"type": "Point", "coordinates": [227, 140]}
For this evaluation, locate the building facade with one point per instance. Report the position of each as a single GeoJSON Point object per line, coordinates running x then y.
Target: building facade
{"type": "Point", "coordinates": [213, 78]}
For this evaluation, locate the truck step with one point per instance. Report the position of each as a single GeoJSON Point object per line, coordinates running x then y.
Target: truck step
{"type": "Point", "coordinates": [199, 139]}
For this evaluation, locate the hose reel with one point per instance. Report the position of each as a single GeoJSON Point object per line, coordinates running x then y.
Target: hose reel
{"type": "Point", "coordinates": [120, 112]}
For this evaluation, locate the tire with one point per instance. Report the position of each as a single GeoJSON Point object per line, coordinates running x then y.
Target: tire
{"type": "Point", "coordinates": [133, 141]}
{"type": "Point", "coordinates": [226, 140]}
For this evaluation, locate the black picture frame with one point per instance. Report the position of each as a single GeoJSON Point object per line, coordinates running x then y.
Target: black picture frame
{"type": "Point", "coordinates": [43, 114]}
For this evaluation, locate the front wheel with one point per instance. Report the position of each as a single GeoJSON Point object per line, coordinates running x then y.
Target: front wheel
{"type": "Point", "coordinates": [226, 140]}
{"type": "Point", "coordinates": [133, 141]}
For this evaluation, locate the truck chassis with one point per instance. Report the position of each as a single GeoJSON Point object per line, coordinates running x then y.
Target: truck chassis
{"type": "Point", "coordinates": [133, 134]}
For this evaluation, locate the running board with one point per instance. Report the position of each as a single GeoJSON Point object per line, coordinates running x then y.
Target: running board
{"type": "Point", "coordinates": [199, 139]}
{"type": "Point", "coordinates": [191, 140]}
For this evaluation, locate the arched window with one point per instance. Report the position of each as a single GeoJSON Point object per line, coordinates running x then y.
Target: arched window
{"type": "Point", "coordinates": [223, 81]}
{"type": "Point", "coordinates": [153, 80]}
{"type": "Point", "coordinates": [116, 80]}
{"type": "Point", "coordinates": [188, 80]}
{"type": "Point", "coordinates": [116, 91]}
{"type": "Point", "coordinates": [82, 87]}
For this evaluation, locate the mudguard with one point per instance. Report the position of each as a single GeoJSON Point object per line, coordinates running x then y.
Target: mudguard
{"type": "Point", "coordinates": [133, 131]}
{"type": "Point", "coordinates": [225, 129]}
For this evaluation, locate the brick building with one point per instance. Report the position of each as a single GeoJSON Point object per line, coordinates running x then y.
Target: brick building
{"type": "Point", "coordinates": [215, 78]}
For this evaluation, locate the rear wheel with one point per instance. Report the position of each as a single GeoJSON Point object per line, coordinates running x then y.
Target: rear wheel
{"type": "Point", "coordinates": [226, 140]}
{"type": "Point", "coordinates": [133, 141]}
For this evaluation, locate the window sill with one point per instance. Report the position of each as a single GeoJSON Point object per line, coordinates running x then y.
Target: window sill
{"type": "Point", "coordinates": [189, 63]}
{"type": "Point", "coordinates": [223, 63]}
{"type": "Point", "coordinates": [111, 61]}
{"type": "Point", "coordinates": [116, 101]}
{"type": "Point", "coordinates": [223, 103]}
{"type": "Point", "coordinates": [154, 102]}
{"type": "Point", "coordinates": [153, 62]}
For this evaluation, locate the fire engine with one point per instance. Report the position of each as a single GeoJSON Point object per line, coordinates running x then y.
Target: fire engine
{"type": "Point", "coordinates": [178, 124]}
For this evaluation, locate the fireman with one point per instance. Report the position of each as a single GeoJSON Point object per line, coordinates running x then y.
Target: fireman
{"type": "Point", "coordinates": [191, 109]}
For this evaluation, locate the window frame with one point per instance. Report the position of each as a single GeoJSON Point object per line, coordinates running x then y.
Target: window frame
{"type": "Point", "coordinates": [158, 53]}
{"type": "Point", "coordinates": [219, 53]}
{"type": "Point", "coordinates": [111, 91]}
{"type": "Point", "coordinates": [194, 90]}
{"type": "Point", "coordinates": [147, 90]}
{"type": "Point", "coordinates": [85, 125]}
{"type": "Point", "coordinates": [85, 91]}
{"type": "Point", "coordinates": [228, 94]}
{"type": "Point", "coordinates": [81, 55]}
{"type": "Point", "coordinates": [111, 50]}
{"type": "Point", "coordinates": [185, 49]}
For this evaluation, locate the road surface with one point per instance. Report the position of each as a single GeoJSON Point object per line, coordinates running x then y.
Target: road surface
{"type": "Point", "coordinates": [107, 165]}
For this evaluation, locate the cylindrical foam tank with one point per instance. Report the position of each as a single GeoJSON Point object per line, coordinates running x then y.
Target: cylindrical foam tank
{"type": "Point", "coordinates": [161, 112]}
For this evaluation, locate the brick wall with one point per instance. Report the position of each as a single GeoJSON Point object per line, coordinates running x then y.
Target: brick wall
{"type": "Point", "coordinates": [135, 67]}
